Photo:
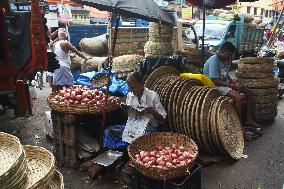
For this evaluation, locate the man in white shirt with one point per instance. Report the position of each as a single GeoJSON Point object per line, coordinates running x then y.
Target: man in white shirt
{"type": "Point", "coordinates": [145, 110]}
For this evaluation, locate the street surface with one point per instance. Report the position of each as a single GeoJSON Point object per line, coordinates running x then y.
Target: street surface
{"type": "Point", "coordinates": [262, 169]}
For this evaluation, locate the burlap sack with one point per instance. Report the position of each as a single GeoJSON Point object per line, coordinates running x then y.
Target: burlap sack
{"type": "Point", "coordinates": [125, 64]}
{"type": "Point", "coordinates": [152, 48]}
{"type": "Point", "coordinates": [95, 45]}
{"type": "Point", "coordinates": [248, 18]}
{"type": "Point", "coordinates": [94, 64]}
{"type": "Point", "coordinates": [257, 20]}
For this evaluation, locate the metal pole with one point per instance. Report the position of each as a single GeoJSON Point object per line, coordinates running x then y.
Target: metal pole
{"type": "Point", "coordinates": [110, 59]}
{"type": "Point", "coordinates": [203, 33]}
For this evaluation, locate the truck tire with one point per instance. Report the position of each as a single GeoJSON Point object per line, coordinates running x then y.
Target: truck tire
{"type": "Point", "coordinates": [259, 83]}
{"type": "Point", "coordinates": [256, 60]}
{"type": "Point", "coordinates": [253, 75]}
{"type": "Point", "coordinates": [262, 68]}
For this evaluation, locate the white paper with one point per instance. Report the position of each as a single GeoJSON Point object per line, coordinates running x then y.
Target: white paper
{"type": "Point", "coordinates": [135, 128]}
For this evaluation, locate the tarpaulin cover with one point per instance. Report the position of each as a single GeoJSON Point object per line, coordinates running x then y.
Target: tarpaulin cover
{"type": "Point", "coordinates": [212, 4]}
{"type": "Point", "coordinates": [143, 9]}
{"type": "Point", "coordinates": [118, 86]}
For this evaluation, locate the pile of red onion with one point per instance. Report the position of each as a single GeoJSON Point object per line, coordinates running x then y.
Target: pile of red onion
{"type": "Point", "coordinates": [82, 95]}
{"type": "Point", "coordinates": [166, 157]}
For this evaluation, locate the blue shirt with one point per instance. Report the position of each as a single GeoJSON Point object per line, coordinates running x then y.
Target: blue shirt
{"type": "Point", "coordinates": [214, 68]}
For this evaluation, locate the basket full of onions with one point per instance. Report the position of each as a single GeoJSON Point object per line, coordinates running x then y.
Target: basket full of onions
{"type": "Point", "coordinates": [163, 155]}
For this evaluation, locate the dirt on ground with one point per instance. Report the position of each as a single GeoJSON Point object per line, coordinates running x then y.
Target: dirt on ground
{"type": "Point", "coordinates": [263, 168]}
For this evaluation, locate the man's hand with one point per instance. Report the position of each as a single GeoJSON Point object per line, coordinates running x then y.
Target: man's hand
{"type": "Point", "coordinates": [149, 110]}
{"type": "Point", "coordinates": [236, 86]}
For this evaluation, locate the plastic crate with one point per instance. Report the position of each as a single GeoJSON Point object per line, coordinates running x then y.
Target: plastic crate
{"type": "Point", "coordinates": [191, 181]}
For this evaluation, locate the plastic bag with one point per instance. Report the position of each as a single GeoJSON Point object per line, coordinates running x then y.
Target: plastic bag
{"type": "Point", "coordinates": [202, 78]}
{"type": "Point", "coordinates": [112, 137]}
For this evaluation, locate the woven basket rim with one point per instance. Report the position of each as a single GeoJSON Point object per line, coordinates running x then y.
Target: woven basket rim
{"type": "Point", "coordinates": [50, 168]}
{"type": "Point", "coordinates": [21, 150]}
{"type": "Point", "coordinates": [166, 170]}
{"type": "Point", "coordinates": [57, 180]}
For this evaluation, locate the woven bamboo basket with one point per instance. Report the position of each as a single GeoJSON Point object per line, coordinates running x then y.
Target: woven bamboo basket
{"type": "Point", "coordinates": [160, 32]}
{"type": "Point", "coordinates": [79, 109]}
{"type": "Point", "coordinates": [56, 181]}
{"type": "Point", "coordinates": [11, 156]}
{"type": "Point", "coordinates": [163, 139]}
{"type": "Point", "coordinates": [152, 48]}
{"type": "Point", "coordinates": [40, 166]}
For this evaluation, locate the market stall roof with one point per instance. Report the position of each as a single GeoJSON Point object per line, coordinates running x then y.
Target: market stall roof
{"type": "Point", "coordinates": [212, 4]}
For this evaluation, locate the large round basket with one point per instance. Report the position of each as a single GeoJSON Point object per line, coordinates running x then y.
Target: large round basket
{"type": "Point", "coordinates": [56, 181]}
{"type": "Point", "coordinates": [12, 162]}
{"type": "Point", "coordinates": [164, 139]}
{"type": "Point", "coordinates": [80, 109]}
{"type": "Point", "coordinates": [40, 166]}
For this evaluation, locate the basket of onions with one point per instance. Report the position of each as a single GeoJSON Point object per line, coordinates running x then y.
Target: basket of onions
{"type": "Point", "coordinates": [82, 100]}
{"type": "Point", "coordinates": [164, 155]}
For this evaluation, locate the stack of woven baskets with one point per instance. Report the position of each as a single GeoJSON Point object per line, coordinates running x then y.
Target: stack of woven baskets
{"type": "Point", "coordinates": [26, 167]}
{"type": "Point", "coordinates": [257, 74]}
{"type": "Point", "coordinates": [199, 112]}
{"type": "Point", "coordinates": [160, 40]}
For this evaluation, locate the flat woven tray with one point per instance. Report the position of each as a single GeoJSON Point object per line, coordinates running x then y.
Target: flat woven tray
{"type": "Point", "coordinates": [230, 130]}
{"type": "Point", "coordinates": [80, 109]}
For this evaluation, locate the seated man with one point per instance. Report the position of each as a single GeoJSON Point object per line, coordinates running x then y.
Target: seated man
{"type": "Point", "coordinates": [217, 68]}
{"type": "Point", "coordinates": [145, 112]}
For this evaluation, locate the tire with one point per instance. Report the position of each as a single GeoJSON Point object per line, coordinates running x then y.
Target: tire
{"type": "Point", "coordinates": [259, 83]}
{"type": "Point", "coordinates": [253, 75]}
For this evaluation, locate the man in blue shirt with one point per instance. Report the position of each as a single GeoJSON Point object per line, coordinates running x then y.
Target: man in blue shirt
{"type": "Point", "coordinates": [217, 68]}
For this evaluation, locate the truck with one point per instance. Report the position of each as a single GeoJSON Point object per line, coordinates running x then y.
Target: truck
{"type": "Point", "coordinates": [23, 53]}
{"type": "Point", "coordinates": [217, 32]}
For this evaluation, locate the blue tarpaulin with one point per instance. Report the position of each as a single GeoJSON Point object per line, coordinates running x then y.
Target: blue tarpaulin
{"type": "Point", "coordinates": [118, 86]}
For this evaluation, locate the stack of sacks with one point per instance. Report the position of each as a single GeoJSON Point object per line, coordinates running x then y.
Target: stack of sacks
{"type": "Point", "coordinates": [160, 40]}
{"type": "Point", "coordinates": [125, 64]}
{"type": "Point", "coordinates": [96, 48]}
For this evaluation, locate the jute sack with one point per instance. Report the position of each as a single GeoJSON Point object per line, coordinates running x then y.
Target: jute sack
{"type": "Point", "coordinates": [261, 25]}
{"type": "Point", "coordinates": [125, 64]}
{"type": "Point", "coordinates": [94, 64]}
{"type": "Point", "coordinates": [257, 20]}
{"type": "Point", "coordinates": [95, 45]}
{"type": "Point", "coordinates": [152, 48]}
{"type": "Point", "coordinates": [248, 18]}
{"type": "Point", "coordinates": [76, 60]}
